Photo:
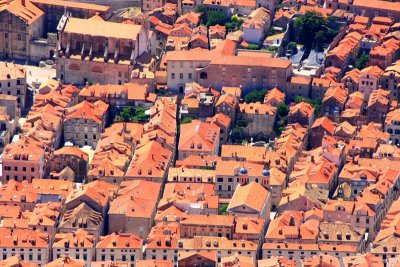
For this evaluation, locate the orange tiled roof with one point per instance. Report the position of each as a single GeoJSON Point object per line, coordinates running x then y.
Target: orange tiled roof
{"type": "Point", "coordinates": [102, 28]}
{"type": "Point", "coordinates": [11, 70]}
{"type": "Point", "coordinates": [79, 239]}
{"type": "Point", "coordinates": [321, 260]}
{"type": "Point", "coordinates": [325, 12]}
{"type": "Point", "coordinates": [252, 195]}
{"type": "Point", "coordinates": [45, 214]}
{"type": "Point", "coordinates": [150, 160]}
{"type": "Point", "coordinates": [77, 5]}
{"type": "Point", "coordinates": [380, 96]}
{"type": "Point", "coordinates": [23, 238]}
{"type": "Point", "coordinates": [389, 47]}
{"type": "Point", "coordinates": [363, 260]}
{"type": "Point", "coordinates": [274, 96]}
{"type": "Point", "coordinates": [87, 110]}
{"type": "Point", "coordinates": [257, 109]}
{"type": "Point", "coordinates": [15, 261]}
{"type": "Point", "coordinates": [136, 199]}
{"type": "Point", "coordinates": [228, 99]}
{"type": "Point", "coordinates": [191, 17]}
{"type": "Point", "coordinates": [25, 10]}
{"type": "Point", "coordinates": [154, 263]}
{"type": "Point", "coordinates": [373, 71]}
{"type": "Point", "coordinates": [220, 119]}
{"type": "Point", "coordinates": [337, 92]}
{"type": "Point", "coordinates": [26, 148]}
{"type": "Point", "coordinates": [303, 108]}
{"type": "Point", "coordinates": [217, 243]}
{"type": "Point", "coordinates": [325, 123]}
{"type": "Point", "coordinates": [120, 240]}
{"type": "Point", "coordinates": [71, 150]}
{"type": "Point", "coordinates": [99, 197]}
{"type": "Point", "coordinates": [276, 261]}
{"type": "Point", "coordinates": [66, 261]}
{"type": "Point", "coordinates": [198, 136]}
{"type": "Point", "coordinates": [130, 91]}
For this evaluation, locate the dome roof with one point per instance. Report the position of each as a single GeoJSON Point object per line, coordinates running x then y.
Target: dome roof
{"type": "Point", "coordinates": [265, 172]}
{"type": "Point", "coordinates": [243, 170]}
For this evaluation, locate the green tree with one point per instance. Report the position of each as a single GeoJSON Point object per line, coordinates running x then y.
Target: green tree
{"type": "Point", "coordinates": [139, 116]}
{"type": "Point", "coordinates": [292, 46]}
{"type": "Point", "coordinates": [203, 10]}
{"type": "Point", "coordinates": [319, 41]}
{"type": "Point", "coordinates": [362, 61]}
{"type": "Point", "coordinates": [237, 135]}
{"type": "Point", "coordinates": [309, 24]}
{"type": "Point", "coordinates": [282, 110]}
{"type": "Point", "coordinates": [234, 24]}
{"type": "Point", "coordinates": [215, 17]}
{"type": "Point", "coordinates": [222, 209]}
{"type": "Point", "coordinates": [330, 35]}
{"type": "Point", "coordinates": [272, 49]}
{"type": "Point", "coordinates": [124, 115]}
{"type": "Point", "coordinates": [242, 123]}
{"type": "Point", "coordinates": [273, 31]}
{"type": "Point", "coordinates": [316, 103]}
{"type": "Point", "coordinates": [281, 118]}
{"type": "Point", "coordinates": [253, 47]}
{"type": "Point", "coordinates": [255, 96]}
{"type": "Point", "coordinates": [131, 114]}
{"type": "Point", "coordinates": [187, 120]}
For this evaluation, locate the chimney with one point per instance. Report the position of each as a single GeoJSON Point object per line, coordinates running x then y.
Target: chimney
{"type": "Point", "coordinates": [23, 2]}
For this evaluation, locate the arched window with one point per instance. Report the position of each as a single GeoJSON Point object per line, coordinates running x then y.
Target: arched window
{"type": "Point", "coordinates": [97, 69]}
{"type": "Point", "coordinates": [74, 67]}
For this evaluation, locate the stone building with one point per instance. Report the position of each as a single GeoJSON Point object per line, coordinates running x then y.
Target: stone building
{"type": "Point", "coordinates": [99, 51]}
{"type": "Point", "coordinates": [13, 82]}
{"type": "Point", "coordinates": [259, 118]}
{"type": "Point", "coordinates": [78, 245]}
{"type": "Point", "coordinates": [55, 9]}
{"type": "Point", "coordinates": [84, 123]}
{"type": "Point", "coordinates": [9, 114]}
{"type": "Point", "coordinates": [119, 247]}
{"type": "Point", "coordinates": [378, 105]}
{"type": "Point", "coordinates": [20, 240]}
{"type": "Point", "coordinates": [20, 22]}
{"type": "Point", "coordinates": [198, 138]}
{"type": "Point", "coordinates": [24, 160]}
{"type": "Point", "coordinates": [72, 157]}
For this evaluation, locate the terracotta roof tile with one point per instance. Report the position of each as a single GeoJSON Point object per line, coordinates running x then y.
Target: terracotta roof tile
{"type": "Point", "coordinates": [252, 195]}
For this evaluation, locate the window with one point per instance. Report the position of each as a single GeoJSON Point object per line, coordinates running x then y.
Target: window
{"type": "Point", "coordinates": [189, 76]}
{"type": "Point", "coordinates": [203, 75]}
{"type": "Point", "coordinates": [172, 76]}
{"type": "Point", "coordinates": [32, 169]}
{"type": "Point", "coordinates": [181, 76]}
